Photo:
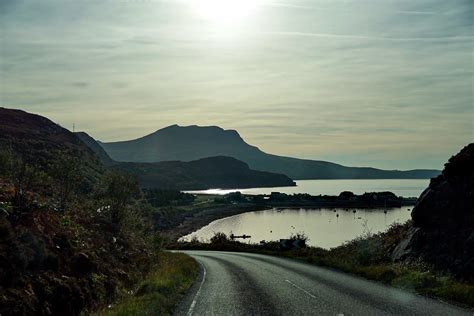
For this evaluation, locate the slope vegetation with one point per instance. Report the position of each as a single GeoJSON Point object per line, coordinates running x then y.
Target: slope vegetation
{"type": "Point", "coordinates": [40, 142]}
{"type": "Point", "coordinates": [73, 236]}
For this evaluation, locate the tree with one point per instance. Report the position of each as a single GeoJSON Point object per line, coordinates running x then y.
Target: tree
{"type": "Point", "coordinates": [116, 191]}
{"type": "Point", "coordinates": [5, 163]}
{"type": "Point", "coordinates": [21, 174]}
{"type": "Point", "coordinates": [67, 174]}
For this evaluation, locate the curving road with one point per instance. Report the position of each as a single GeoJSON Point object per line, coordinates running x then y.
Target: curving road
{"type": "Point", "coordinates": [250, 284]}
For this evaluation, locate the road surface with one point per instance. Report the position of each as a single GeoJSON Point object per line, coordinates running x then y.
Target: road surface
{"type": "Point", "coordinates": [251, 284]}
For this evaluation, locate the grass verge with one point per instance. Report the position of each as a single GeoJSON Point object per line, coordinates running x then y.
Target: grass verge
{"type": "Point", "coordinates": [161, 290]}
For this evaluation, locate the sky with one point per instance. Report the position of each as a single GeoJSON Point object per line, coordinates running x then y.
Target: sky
{"type": "Point", "coordinates": [381, 83]}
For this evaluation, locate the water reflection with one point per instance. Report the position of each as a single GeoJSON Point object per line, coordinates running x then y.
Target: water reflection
{"type": "Point", "coordinates": [325, 228]}
{"type": "Point", "coordinates": [401, 187]}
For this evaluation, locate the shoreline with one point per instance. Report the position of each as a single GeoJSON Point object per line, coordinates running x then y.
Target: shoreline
{"type": "Point", "coordinates": [204, 217]}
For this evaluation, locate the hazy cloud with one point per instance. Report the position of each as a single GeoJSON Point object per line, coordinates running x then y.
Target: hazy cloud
{"type": "Point", "coordinates": [381, 83]}
{"type": "Point", "coordinates": [381, 38]}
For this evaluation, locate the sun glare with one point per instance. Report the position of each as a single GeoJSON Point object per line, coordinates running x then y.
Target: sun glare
{"type": "Point", "coordinates": [224, 11]}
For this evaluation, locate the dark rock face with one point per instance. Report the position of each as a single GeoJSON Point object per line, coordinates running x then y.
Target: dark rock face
{"type": "Point", "coordinates": [443, 219]}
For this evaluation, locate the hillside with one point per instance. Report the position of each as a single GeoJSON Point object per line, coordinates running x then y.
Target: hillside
{"type": "Point", "coordinates": [201, 174]}
{"type": "Point", "coordinates": [58, 254]}
{"type": "Point", "coordinates": [37, 138]}
{"type": "Point", "coordinates": [96, 148]}
{"type": "Point", "coordinates": [40, 142]}
{"type": "Point", "coordinates": [176, 143]}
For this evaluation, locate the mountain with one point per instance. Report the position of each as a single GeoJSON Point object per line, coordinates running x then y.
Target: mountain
{"type": "Point", "coordinates": [442, 231]}
{"type": "Point", "coordinates": [194, 142]}
{"type": "Point", "coordinates": [212, 172]}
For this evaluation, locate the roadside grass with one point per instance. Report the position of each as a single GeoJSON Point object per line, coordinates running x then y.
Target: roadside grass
{"type": "Point", "coordinates": [421, 280]}
{"type": "Point", "coordinates": [416, 277]}
{"type": "Point", "coordinates": [161, 290]}
{"type": "Point", "coordinates": [367, 256]}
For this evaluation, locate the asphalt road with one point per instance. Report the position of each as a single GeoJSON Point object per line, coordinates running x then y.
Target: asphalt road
{"type": "Point", "coordinates": [251, 284]}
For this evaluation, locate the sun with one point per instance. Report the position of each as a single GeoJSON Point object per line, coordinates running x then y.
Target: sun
{"type": "Point", "coordinates": [224, 11]}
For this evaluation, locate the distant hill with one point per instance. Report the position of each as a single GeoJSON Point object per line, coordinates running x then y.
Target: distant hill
{"type": "Point", "coordinates": [213, 172]}
{"type": "Point", "coordinates": [176, 143]}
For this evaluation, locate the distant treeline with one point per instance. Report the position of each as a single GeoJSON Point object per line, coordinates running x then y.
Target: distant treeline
{"type": "Point", "coordinates": [345, 199]}
{"type": "Point", "coordinates": [162, 197]}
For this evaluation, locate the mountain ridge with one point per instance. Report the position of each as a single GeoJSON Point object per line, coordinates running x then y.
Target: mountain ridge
{"type": "Point", "coordinates": [205, 173]}
{"type": "Point", "coordinates": [187, 143]}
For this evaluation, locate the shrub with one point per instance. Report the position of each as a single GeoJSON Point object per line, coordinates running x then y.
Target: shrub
{"type": "Point", "coordinates": [219, 238]}
{"type": "Point", "coordinates": [115, 193]}
{"type": "Point", "coordinates": [299, 236]}
{"type": "Point", "coordinates": [67, 174]}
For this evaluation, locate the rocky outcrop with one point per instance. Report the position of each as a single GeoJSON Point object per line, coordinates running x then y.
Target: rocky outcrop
{"type": "Point", "coordinates": [443, 220]}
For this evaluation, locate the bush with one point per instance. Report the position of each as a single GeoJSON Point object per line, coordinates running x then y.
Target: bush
{"type": "Point", "coordinates": [219, 238]}
{"type": "Point", "coordinates": [299, 236]}
{"type": "Point", "coordinates": [161, 197]}
{"type": "Point", "coordinates": [67, 174]}
{"type": "Point", "coordinates": [115, 192]}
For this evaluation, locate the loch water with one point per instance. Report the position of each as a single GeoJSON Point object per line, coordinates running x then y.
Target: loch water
{"type": "Point", "coordinates": [401, 187]}
{"type": "Point", "coordinates": [325, 228]}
